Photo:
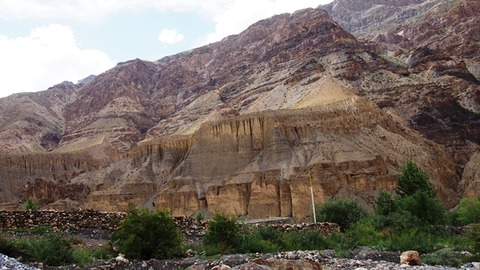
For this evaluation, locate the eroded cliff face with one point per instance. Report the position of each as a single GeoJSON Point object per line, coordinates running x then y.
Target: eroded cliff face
{"type": "Point", "coordinates": [239, 125]}
{"type": "Point", "coordinates": [258, 165]}
{"type": "Point", "coordinates": [433, 43]}
{"type": "Point", "coordinates": [43, 176]}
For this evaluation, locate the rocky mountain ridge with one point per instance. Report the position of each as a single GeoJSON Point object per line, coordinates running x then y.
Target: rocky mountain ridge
{"type": "Point", "coordinates": [240, 125]}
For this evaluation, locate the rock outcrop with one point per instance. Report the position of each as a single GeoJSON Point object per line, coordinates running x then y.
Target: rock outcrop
{"type": "Point", "coordinates": [242, 125]}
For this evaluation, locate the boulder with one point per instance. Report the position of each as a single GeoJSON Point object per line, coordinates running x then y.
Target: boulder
{"type": "Point", "coordinates": [410, 257]}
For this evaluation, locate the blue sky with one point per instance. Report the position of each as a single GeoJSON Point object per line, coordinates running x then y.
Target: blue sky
{"type": "Point", "coordinates": [45, 42]}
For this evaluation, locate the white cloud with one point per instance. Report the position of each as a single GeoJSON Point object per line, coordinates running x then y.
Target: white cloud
{"type": "Point", "coordinates": [170, 36]}
{"type": "Point", "coordinates": [242, 13]}
{"type": "Point", "coordinates": [48, 55]}
{"type": "Point", "coordinates": [95, 10]}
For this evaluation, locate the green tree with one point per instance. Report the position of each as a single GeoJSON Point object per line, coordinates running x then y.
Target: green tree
{"type": "Point", "coordinates": [469, 211]}
{"type": "Point", "coordinates": [51, 249]}
{"type": "Point", "coordinates": [145, 235]}
{"type": "Point", "coordinates": [222, 232]}
{"type": "Point", "coordinates": [413, 179]}
{"type": "Point", "coordinates": [344, 212]}
{"type": "Point", "coordinates": [385, 204]}
{"type": "Point", "coordinates": [423, 206]}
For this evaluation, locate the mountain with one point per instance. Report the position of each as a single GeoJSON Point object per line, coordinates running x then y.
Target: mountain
{"type": "Point", "coordinates": [445, 26]}
{"type": "Point", "coordinates": [242, 125]}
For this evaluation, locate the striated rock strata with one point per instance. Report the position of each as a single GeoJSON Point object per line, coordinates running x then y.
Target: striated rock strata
{"type": "Point", "coordinates": [258, 165]}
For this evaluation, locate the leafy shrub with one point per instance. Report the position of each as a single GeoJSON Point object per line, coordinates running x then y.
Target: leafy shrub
{"type": "Point", "coordinates": [31, 204]}
{"type": "Point", "coordinates": [103, 253]}
{"type": "Point", "coordinates": [199, 217]}
{"type": "Point", "coordinates": [308, 240]}
{"type": "Point", "coordinates": [363, 233]}
{"type": "Point", "coordinates": [51, 249]}
{"type": "Point", "coordinates": [340, 242]}
{"type": "Point", "coordinates": [7, 247]}
{"type": "Point", "coordinates": [410, 239]}
{"type": "Point", "coordinates": [344, 212]}
{"type": "Point", "coordinates": [397, 220]}
{"type": "Point", "coordinates": [421, 205]}
{"type": "Point", "coordinates": [444, 257]}
{"type": "Point", "coordinates": [467, 212]}
{"type": "Point", "coordinates": [83, 256]}
{"type": "Point", "coordinates": [259, 239]}
{"type": "Point", "coordinates": [223, 232]}
{"type": "Point", "coordinates": [413, 179]}
{"type": "Point", "coordinates": [146, 235]}
{"type": "Point", "coordinates": [385, 204]}
{"type": "Point", "coordinates": [254, 242]}
{"type": "Point", "coordinates": [474, 238]}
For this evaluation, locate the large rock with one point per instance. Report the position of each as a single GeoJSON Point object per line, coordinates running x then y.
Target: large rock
{"type": "Point", "coordinates": [410, 257]}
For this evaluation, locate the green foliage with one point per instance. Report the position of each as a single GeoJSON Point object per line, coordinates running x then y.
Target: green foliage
{"type": "Point", "coordinates": [7, 247]}
{"type": "Point", "coordinates": [474, 238]}
{"type": "Point", "coordinates": [308, 240]}
{"type": "Point", "coordinates": [467, 212]}
{"type": "Point", "coordinates": [409, 239]}
{"type": "Point", "coordinates": [83, 256]}
{"type": "Point", "coordinates": [260, 239]}
{"type": "Point", "coordinates": [51, 249]}
{"type": "Point", "coordinates": [103, 253]}
{"type": "Point", "coordinates": [31, 204]}
{"type": "Point", "coordinates": [385, 204]}
{"type": "Point", "coordinates": [146, 235]}
{"type": "Point", "coordinates": [340, 242]}
{"type": "Point", "coordinates": [445, 257]}
{"type": "Point", "coordinates": [341, 211]}
{"type": "Point", "coordinates": [223, 232]}
{"type": "Point", "coordinates": [413, 179]}
{"type": "Point", "coordinates": [199, 217]}
{"type": "Point", "coordinates": [424, 207]}
{"type": "Point", "coordinates": [363, 233]}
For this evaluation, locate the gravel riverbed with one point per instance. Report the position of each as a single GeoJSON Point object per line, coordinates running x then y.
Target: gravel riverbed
{"type": "Point", "coordinates": [315, 260]}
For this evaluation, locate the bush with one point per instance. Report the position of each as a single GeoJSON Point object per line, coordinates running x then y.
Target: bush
{"type": "Point", "coordinates": [385, 204]}
{"type": "Point", "coordinates": [445, 257]}
{"type": "Point", "coordinates": [51, 249]}
{"type": "Point", "coordinates": [31, 204]}
{"type": "Point", "coordinates": [413, 179]}
{"type": "Point", "coordinates": [260, 239]}
{"type": "Point", "coordinates": [7, 247]}
{"type": "Point", "coordinates": [222, 232]}
{"type": "Point", "coordinates": [308, 240]}
{"type": "Point", "coordinates": [421, 205]}
{"type": "Point", "coordinates": [147, 235]}
{"type": "Point", "coordinates": [468, 211]}
{"type": "Point", "coordinates": [344, 212]}
{"type": "Point", "coordinates": [409, 239]}
{"type": "Point", "coordinates": [83, 256]}
{"type": "Point", "coordinates": [363, 233]}
{"type": "Point", "coordinates": [199, 217]}
{"type": "Point", "coordinates": [474, 238]}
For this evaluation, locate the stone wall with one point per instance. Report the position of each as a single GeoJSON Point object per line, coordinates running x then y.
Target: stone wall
{"type": "Point", "coordinates": [70, 221]}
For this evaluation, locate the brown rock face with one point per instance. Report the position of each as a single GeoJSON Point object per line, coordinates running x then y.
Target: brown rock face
{"type": "Point", "coordinates": [239, 125]}
{"type": "Point", "coordinates": [257, 165]}
{"type": "Point", "coordinates": [435, 43]}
